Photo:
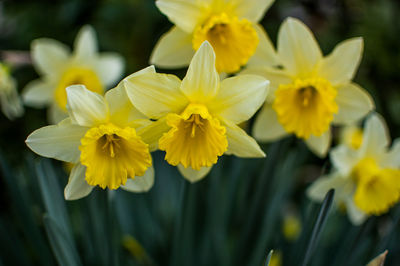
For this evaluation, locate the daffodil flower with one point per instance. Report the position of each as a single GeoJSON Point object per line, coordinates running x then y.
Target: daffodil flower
{"type": "Point", "coordinates": [309, 92]}
{"type": "Point", "coordinates": [197, 117]}
{"type": "Point", "coordinates": [59, 69]}
{"type": "Point", "coordinates": [106, 139]}
{"type": "Point", "coordinates": [367, 179]}
{"type": "Point", "coordinates": [351, 136]}
{"type": "Point", "coordinates": [230, 26]}
{"type": "Point", "coordinates": [11, 105]}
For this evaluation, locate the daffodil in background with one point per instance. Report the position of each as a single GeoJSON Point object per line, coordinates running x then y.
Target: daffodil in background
{"type": "Point", "coordinates": [231, 27]}
{"type": "Point", "coordinates": [309, 92]}
{"type": "Point", "coordinates": [351, 136]}
{"type": "Point", "coordinates": [367, 179]}
{"type": "Point", "coordinates": [11, 105]}
{"type": "Point", "coordinates": [197, 117]}
{"type": "Point", "coordinates": [59, 68]}
{"type": "Point", "coordinates": [105, 137]}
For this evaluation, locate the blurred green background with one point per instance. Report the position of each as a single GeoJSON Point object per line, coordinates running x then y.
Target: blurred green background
{"type": "Point", "coordinates": [232, 217]}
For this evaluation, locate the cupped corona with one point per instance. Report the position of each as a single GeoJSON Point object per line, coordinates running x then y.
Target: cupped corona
{"type": "Point", "coordinates": [196, 139]}
{"type": "Point", "coordinates": [378, 188]}
{"type": "Point", "coordinates": [306, 107]}
{"type": "Point", "coordinates": [112, 154]}
{"type": "Point", "coordinates": [234, 41]}
{"type": "Point", "coordinates": [74, 76]}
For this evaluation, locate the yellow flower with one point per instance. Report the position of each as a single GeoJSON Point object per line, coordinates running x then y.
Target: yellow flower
{"type": "Point", "coordinates": [367, 179]}
{"type": "Point", "coordinates": [59, 69]}
{"type": "Point", "coordinates": [197, 117]}
{"type": "Point", "coordinates": [104, 137]}
{"type": "Point", "coordinates": [11, 105]}
{"type": "Point", "coordinates": [231, 27]}
{"type": "Point", "coordinates": [309, 92]}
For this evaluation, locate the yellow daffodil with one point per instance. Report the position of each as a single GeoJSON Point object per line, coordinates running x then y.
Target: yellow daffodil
{"type": "Point", "coordinates": [197, 117]}
{"type": "Point", "coordinates": [106, 139]}
{"type": "Point", "coordinates": [230, 26]}
{"type": "Point", "coordinates": [367, 179]}
{"type": "Point", "coordinates": [309, 92]}
{"type": "Point", "coordinates": [11, 105]}
{"type": "Point", "coordinates": [59, 69]}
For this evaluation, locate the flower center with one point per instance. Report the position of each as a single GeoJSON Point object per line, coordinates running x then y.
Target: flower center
{"type": "Point", "coordinates": [112, 154]}
{"type": "Point", "coordinates": [377, 188]}
{"type": "Point", "coordinates": [234, 41]}
{"type": "Point", "coordinates": [306, 107]}
{"type": "Point", "coordinates": [195, 139]}
{"type": "Point", "coordinates": [74, 76]}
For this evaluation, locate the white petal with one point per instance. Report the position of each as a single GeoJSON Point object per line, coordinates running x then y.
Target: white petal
{"type": "Point", "coordinates": [341, 65]}
{"type": "Point", "coordinates": [55, 114]}
{"type": "Point", "coordinates": [140, 183]}
{"type": "Point", "coordinates": [239, 97]}
{"type": "Point", "coordinates": [202, 80]}
{"type": "Point", "coordinates": [344, 159]}
{"type": "Point", "coordinates": [85, 107]}
{"type": "Point", "coordinates": [253, 10]}
{"type": "Point", "coordinates": [323, 184]}
{"type": "Point", "coordinates": [77, 186]}
{"type": "Point", "coordinates": [173, 50]}
{"type": "Point", "coordinates": [265, 54]}
{"type": "Point", "coordinates": [392, 158]}
{"type": "Point", "coordinates": [186, 14]}
{"type": "Point", "coordinates": [376, 137]}
{"type": "Point", "coordinates": [356, 216]}
{"type": "Point", "coordinates": [37, 93]}
{"type": "Point", "coordinates": [85, 43]}
{"type": "Point", "coordinates": [155, 95]}
{"type": "Point", "coordinates": [59, 141]}
{"type": "Point", "coordinates": [110, 67]}
{"type": "Point", "coordinates": [297, 47]}
{"type": "Point", "coordinates": [241, 144]}
{"type": "Point", "coordinates": [49, 56]}
{"type": "Point", "coordinates": [320, 145]}
{"type": "Point", "coordinates": [193, 175]}
{"type": "Point", "coordinates": [354, 103]}
{"type": "Point", "coordinates": [266, 126]}
{"type": "Point", "coordinates": [153, 132]}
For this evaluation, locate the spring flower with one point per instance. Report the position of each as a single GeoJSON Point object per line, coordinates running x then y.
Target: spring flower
{"type": "Point", "coordinates": [106, 139]}
{"type": "Point", "coordinates": [11, 105]}
{"type": "Point", "coordinates": [59, 69]}
{"type": "Point", "coordinates": [309, 92]}
{"type": "Point", "coordinates": [197, 117]}
{"type": "Point", "coordinates": [231, 27]}
{"type": "Point", "coordinates": [367, 179]}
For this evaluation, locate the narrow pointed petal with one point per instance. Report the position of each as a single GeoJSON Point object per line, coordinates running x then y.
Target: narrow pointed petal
{"type": "Point", "coordinates": [86, 108]}
{"type": "Point", "coordinates": [265, 54]}
{"type": "Point", "coordinates": [341, 65]}
{"type": "Point", "coordinates": [297, 47]}
{"type": "Point", "coordinates": [173, 50]}
{"type": "Point", "coordinates": [110, 67]}
{"type": "Point", "coordinates": [86, 42]}
{"type": "Point", "coordinates": [49, 55]}
{"type": "Point", "coordinates": [77, 186]}
{"type": "Point", "coordinates": [267, 127]}
{"type": "Point", "coordinates": [320, 145]}
{"type": "Point", "coordinates": [239, 97]}
{"type": "Point", "coordinates": [152, 133]}
{"type": "Point", "coordinates": [202, 80]}
{"type": "Point", "coordinates": [253, 10]}
{"type": "Point", "coordinates": [354, 103]}
{"type": "Point", "coordinates": [140, 183]}
{"type": "Point", "coordinates": [60, 141]}
{"type": "Point", "coordinates": [37, 93]}
{"type": "Point", "coordinates": [376, 137]}
{"type": "Point", "coordinates": [193, 175]}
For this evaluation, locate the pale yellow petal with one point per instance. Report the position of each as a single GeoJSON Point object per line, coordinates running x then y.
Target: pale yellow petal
{"type": "Point", "coordinates": [155, 95]}
{"type": "Point", "coordinates": [344, 159]}
{"type": "Point", "coordinates": [392, 158]}
{"type": "Point", "coordinates": [266, 126]}
{"type": "Point", "coordinates": [140, 183]}
{"type": "Point", "coordinates": [297, 48]}
{"type": "Point", "coordinates": [320, 145]}
{"type": "Point", "coordinates": [376, 137]}
{"type": "Point", "coordinates": [153, 132]}
{"type": "Point", "coordinates": [173, 50]}
{"type": "Point", "coordinates": [201, 82]}
{"type": "Point", "coordinates": [37, 93]}
{"type": "Point", "coordinates": [253, 10]}
{"type": "Point", "coordinates": [265, 54]}
{"type": "Point", "coordinates": [60, 141]}
{"type": "Point", "coordinates": [77, 186]}
{"type": "Point", "coordinates": [354, 104]}
{"type": "Point", "coordinates": [341, 65]}
{"type": "Point", "coordinates": [323, 184]}
{"type": "Point", "coordinates": [193, 175]}
{"type": "Point", "coordinates": [239, 98]}
{"type": "Point", "coordinates": [85, 43]}
{"type": "Point", "coordinates": [110, 67]}
{"type": "Point", "coordinates": [356, 216]}
{"type": "Point", "coordinates": [86, 108]}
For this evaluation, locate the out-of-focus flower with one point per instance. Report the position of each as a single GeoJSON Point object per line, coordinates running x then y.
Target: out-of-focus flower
{"type": "Point", "coordinates": [197, 117]}
{"type": "Point", "coordinates": [11, 105]}
{"type": "Point", "coordinates": [291, 226]}
{"type": "Point", "coordinates": [230, 26]}
{"type": "Point", "coordinates": [351, 136]}
{"type": "Point", "coordinates": [366, 180]}
{"type": "Point", "coordinates": [309, 92]}
{"type": "Point", "coordinates": [105, 137]}
{"type": "Point", "coordinates": [59, 68]}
